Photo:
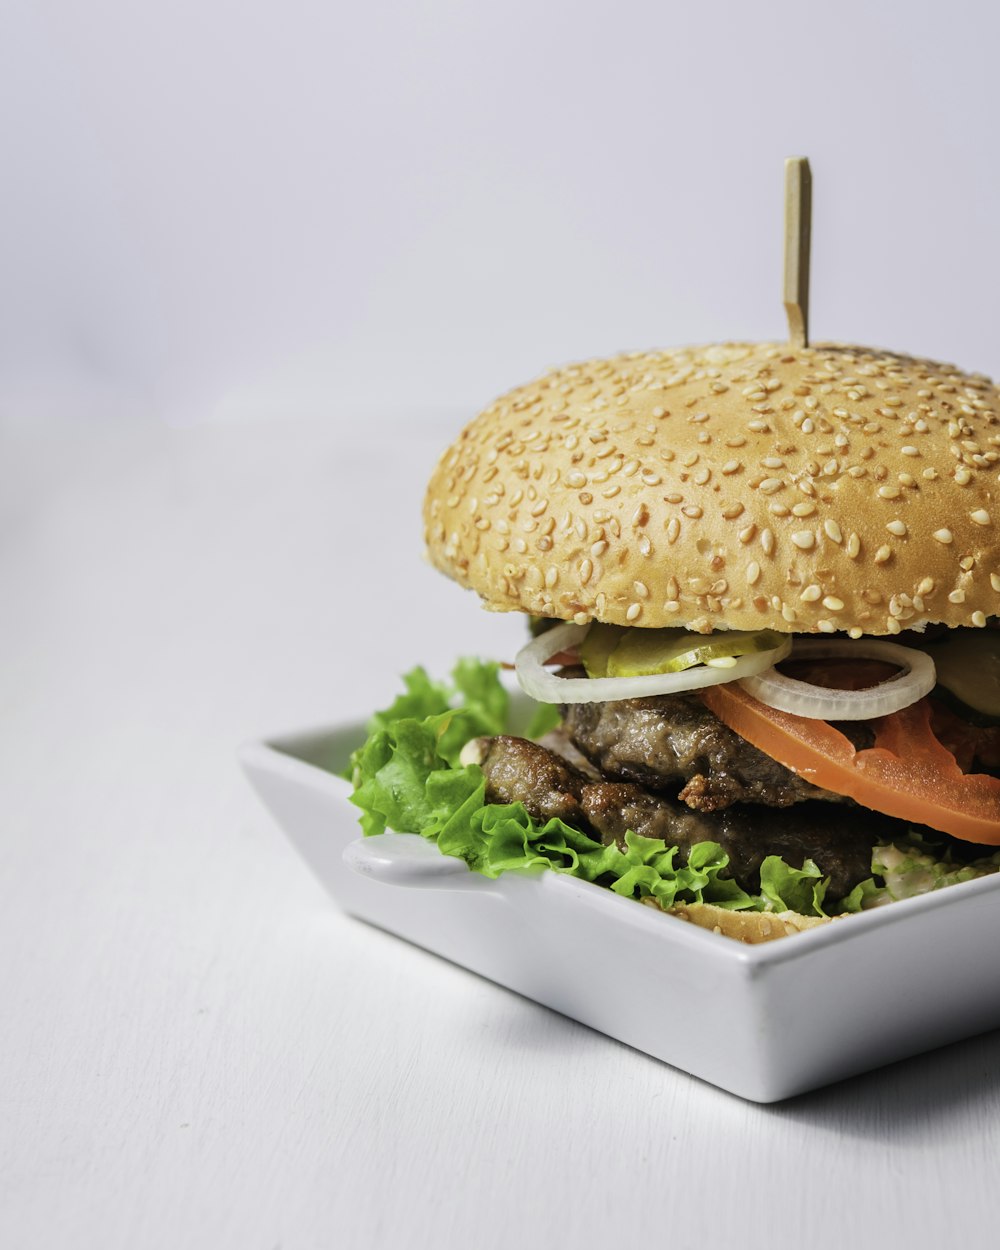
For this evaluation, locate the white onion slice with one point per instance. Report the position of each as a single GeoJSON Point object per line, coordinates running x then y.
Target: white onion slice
{"type": "Point", "coordinates": [916, 679]}
{"type": "Point", "coordinates": [546, 687]}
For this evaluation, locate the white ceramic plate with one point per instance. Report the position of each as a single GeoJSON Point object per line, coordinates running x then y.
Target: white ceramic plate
{"type": "Point", "coordinates": [764, 1022]}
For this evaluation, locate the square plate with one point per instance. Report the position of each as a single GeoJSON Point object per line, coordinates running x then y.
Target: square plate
{"type": "Point", "coordinates": [764, 1022]}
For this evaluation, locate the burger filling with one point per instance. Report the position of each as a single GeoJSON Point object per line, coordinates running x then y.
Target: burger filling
{"type": "Point", "coordinates": [520, 771]}
{"type": "Point", "coordinates": [711, 793]}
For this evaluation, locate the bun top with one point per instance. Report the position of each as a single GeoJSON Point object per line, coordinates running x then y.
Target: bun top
{"type": "Point", "coordinates": [739, 486]}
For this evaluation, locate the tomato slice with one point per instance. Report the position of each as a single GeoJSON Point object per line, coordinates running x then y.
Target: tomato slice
{"type": "Point", "coordinates": [966, 742]}
{"type": "Point", "coordinates": [908, 773]}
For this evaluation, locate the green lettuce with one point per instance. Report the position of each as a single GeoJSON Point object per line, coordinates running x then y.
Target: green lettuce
{"type": "Point", "coordinates": [408, 777]}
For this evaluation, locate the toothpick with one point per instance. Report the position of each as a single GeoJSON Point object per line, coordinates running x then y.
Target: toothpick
{"type": "Point", "coordinates": [798, 221]}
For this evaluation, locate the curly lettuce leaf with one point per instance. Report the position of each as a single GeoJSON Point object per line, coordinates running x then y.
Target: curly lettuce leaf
{"type": "Point", "coordinates": [407, 777]}
{"type": "Point", "coordinates": [785, 888]}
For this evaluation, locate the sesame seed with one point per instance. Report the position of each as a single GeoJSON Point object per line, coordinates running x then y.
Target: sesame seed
{"type": "Point", "coordinates": [747, 534]}
{"type": "Point", "coordinates": [833, 530]}
{"type": "Point", "coordinates": [888, 492]}
{"type": "Point", "coordinates": [773, 462]}
{"type": "Point", "coordinates": [826, 627]}
{"type": "Point", "coordinates": [641, 590]}
{"type": "Point", "coordinates": [898, 528]}
{"type": "Point", "coordinates": [586, 570]}
{"type": "Point", "coordinates": [806, 508]}
{"type": "Point", "coordinates": [980, 516]}
{"type": "Point", "coordinates": [926, 587]}
{"type": "Point", "coordinates": [979, 619]}
{"type": "Point", "coordinates": [671, 605]}
{"type": "Point", "coordinates": [634, 612]}
{"type": "Point", "coordinates": [957, 596]}
{"type": "Point", "coordinates": [943, 536]}
{"type": "Point", "coordinates": [753, 572]}
{"type": "Point", "coordinates": [995, 581]}
{"type": "Point", "coordinates": [909, 450]}
{"type": "Point", "coordinates": [804, 539]}
{"type": "Point", "coordinates": [833, 604]}
{"type": "Point", "coordinates": [966, 563]}
{"type": "Point", "coordinates": [673, 529]}
{"type": "Point", "coordinates": [767, 541]}
{"type": "Point", "coordinates": [731, 466]}
{"type": "Point", "coordinates": [811, 593]}
{"type": "Point", "coordinates": [770, 485]}
{"type": "Point", "coordinates": [883, 554]}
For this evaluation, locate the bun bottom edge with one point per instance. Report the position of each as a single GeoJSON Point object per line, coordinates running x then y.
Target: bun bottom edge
{"type": "Point", "coordinates": [750, 927]}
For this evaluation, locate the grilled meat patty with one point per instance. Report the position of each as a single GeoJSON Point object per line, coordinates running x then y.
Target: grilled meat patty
{"type": "Point", "coordinates": [674, 744]}
{"type": "Point", "coordinates": [517, 770]}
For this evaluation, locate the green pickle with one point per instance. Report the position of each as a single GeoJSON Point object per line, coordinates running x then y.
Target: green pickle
{"type": "Point", "coordinates": [968, 668]}
{"type": "Point", "coordinates": [596, 648]}
{"type": "Point", "coordinates": [611, 651]}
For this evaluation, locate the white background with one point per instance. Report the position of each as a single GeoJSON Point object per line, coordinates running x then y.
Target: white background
{"type": "Point", "coordinates": [257, 263]}
{"type": "Point", "coordinates": [239, 206]}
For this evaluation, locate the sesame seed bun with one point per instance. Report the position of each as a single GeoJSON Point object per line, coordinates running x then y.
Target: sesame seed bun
{"type": "Point", "coordinates": [734, 486]}
{"type": "Point", "coordinates": [746, 926]}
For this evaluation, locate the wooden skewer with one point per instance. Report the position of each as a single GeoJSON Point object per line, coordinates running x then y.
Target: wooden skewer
{"type": "Point", "coordinates": [798, 225]}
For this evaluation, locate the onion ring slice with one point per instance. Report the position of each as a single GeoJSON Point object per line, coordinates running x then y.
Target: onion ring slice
{"type": "Point", "coordinates": [535, 680]}
{"type": "Point", "coordinates": [916, 678]}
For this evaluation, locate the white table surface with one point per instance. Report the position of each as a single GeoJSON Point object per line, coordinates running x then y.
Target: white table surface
{"type": "Point", "coordinates": [197, 1048]}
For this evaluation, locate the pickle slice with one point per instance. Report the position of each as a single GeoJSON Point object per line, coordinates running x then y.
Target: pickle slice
{"type": "Point", "coordinates": [597, 647]}
{"type": "Point", "coordinates": [644, 652]}
{"type": "Point", "coordinates": [968, 666]}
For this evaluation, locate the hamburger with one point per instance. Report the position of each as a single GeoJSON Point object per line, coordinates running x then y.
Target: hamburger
{"type": "Point", "coordinates": [764, 582]}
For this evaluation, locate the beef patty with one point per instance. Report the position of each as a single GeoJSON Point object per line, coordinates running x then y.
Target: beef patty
{"type": "Point", "coordinates": [517, 770]}
{"type": "Point", "coordinates": [675, 745]}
